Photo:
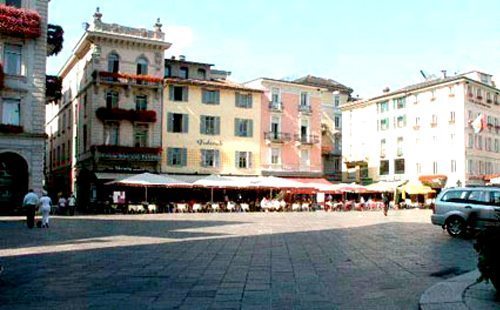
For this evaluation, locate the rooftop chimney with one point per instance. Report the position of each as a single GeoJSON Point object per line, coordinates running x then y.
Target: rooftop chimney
{"type": "Point", "coordinates": [444, 73]}
{"type": "Point", "coordinates": [182, 58]}
{"type": "Point", "coordinates": [386, 90]}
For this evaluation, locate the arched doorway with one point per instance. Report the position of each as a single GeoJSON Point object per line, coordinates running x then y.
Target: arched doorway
{"type": "Point", "coordinates": [13, 181]}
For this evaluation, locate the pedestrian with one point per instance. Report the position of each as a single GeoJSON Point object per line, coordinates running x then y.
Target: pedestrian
{"type": "Point", "coordinates": [45, 204]}
{"type": "Point", "coordinates": [61, 205]}
{"type": "Point", "coordinates": [30, 203]}
{"type": "Point", "coordinates": [385, 200]}
{"type": "Point", "coordinates": [72, 204]}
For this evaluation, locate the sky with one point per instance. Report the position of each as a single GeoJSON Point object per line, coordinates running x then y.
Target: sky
{"type": "Point", "coordinates": [366, 45]}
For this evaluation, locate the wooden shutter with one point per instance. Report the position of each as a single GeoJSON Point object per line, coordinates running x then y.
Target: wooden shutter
{"type": "Point", "coordinates": [237, 99]}
{"type": "Point", "coordinates": [170, 122]}
{"type": "Point", "coordinates": [217, 125]}
{"type": "Point", "coordinates": [204, 96]}
{"type": "Point", "coordinates": [185, 95]}
{"type": "Point", "coordinates": [217, 97]}
{"type": "Point", "coordinates": [203, 155]}
{"type": "Point", "coordinates": [236, 159]}
{"type": "Point", "coordinates": [185, 123]}
{"type": "Point", "coordinates": [170, 152]}
{"type": "Point", "coordinates": [171, 92]}
{"type": "Point", "coordinates": [183, 157]}
{"type": "Point", "coordinates": [236, 127]}
{"type": "Point", "coordinates": [250, 101]}
{"type": "Point", "coordinates": [249, 159]}
{"type": "Point", "coordinates": [217, 158]}
{"type": "Point", "coordinates": [203, 128]}
{"type": "Point", "coordinates": [250, 128]}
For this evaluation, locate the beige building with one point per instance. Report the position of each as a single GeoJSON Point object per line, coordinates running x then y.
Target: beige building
{"type": "Point", "coordinates": [446, 130]}
{"type": "Point", "coordinates": [23, 52]}
{"type": "Point", "coordinates": [211, 124]}
{"type": "Point", "coordinates": [108, 121]}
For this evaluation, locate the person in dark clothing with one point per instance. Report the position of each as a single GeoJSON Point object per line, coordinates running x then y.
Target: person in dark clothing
{"type": "Point", "coordinates": [385, 200]}
{"type": "Point", "coordinates": [30, 204]}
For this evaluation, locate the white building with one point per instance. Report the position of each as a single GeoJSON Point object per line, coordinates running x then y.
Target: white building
{"type": "Point", "coordinates": [23, 52]}
{"type": "Point", "coordinates": [443, 127]}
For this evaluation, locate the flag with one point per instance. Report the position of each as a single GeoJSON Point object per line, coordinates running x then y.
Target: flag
{"type": "Point", "coordinates": [479, 123]}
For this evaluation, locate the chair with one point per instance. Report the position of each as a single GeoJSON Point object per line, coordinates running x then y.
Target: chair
{"type": "Point", "coordinates": [215, 207]}
{"type": "Point", "coordinates": [197, 207]}
{"type": "Point", "coordinates": [152, 208]}
{"type": "Point", "coordinates": [181, 207]}
{"type": "Point", "coordinates": [245, 207]}
{"type": "Point", "coordinates": [296, 207]}
{"type": "Point", "coordinates": [231, 206]}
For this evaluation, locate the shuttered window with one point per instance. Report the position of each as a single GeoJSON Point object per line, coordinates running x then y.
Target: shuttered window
{"type": "Point", "coordinates": [243, 100]}
{"type": "Point", "coordinates": [210, 158]}
{"type": "Point", "coordinates": [209, 125]}
{"type": "Point", "coordinates": [178, 93]}
{"type": "Point", "coordinates": [243, 127]}
{"type": "Point", "coordinates": [243, 160]}
{"type": "Point", "coordinates": [177, 122]}
{"type": "Point", "coordinates": [177, 157]}
{"type": "Point", "coordinates": [210, 96]}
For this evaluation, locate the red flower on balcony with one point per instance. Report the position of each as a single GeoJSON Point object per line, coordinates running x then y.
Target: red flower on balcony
{"type": "Point", "coordinates": [144, 78]}
{"type": "Point", "coordinates": [7, 128]}
{"type": "Point", "coordinates": [118, 149]}
{"type": "Point", "coordinates": [2, 75]}
{"type": "Point", "coordinates": [117, 114]}
{"type": "Point", "coordinates": [479, 97]}
{"type": "Point", "coordinates": [19, 22]}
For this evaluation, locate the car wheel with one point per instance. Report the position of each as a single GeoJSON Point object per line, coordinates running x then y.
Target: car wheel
{"type": "Point", "coordinates": [455, 226]}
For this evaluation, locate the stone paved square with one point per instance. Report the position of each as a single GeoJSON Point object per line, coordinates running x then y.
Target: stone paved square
{"type": "Point", "coordinates": [305, 260]}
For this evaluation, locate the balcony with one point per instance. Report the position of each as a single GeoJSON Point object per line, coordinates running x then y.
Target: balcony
{"type": "Point", "coordinates": [305, 109]}
{"type": "Point", "coordinates": [125, 79]}
{"type": "Point", "coordinates": [275, 106]}
{"type": "Point", "coordinates": [127, 153]}
{"type": "Point", "coordinates": [117, 114]}
{"type": "Point", "coordinates": [277, 137]}
{"type": "Point", "coordinates": [19, 22]}
{"type": "Point", "coordinates": [307, 139]}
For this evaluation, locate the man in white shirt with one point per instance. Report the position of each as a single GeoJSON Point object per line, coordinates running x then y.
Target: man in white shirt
{"type": "Point", "coordinates": [30, 202]}
{"type": "Point", "coordinates": [72, 204]}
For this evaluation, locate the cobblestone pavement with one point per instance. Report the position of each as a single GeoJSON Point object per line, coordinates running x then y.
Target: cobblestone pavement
{"type": "Point", "coordinates": [352, 260]}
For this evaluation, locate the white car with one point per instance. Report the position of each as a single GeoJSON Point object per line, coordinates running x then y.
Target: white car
{"type": "Point", "coordinates": [460, 209]}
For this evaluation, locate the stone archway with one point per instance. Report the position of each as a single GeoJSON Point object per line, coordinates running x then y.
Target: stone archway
{"type": "Point", "coordinates": [14, 180]}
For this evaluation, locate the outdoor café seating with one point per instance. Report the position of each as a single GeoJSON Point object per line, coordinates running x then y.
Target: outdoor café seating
{"type": "Point", "coordinates": [197, 207]}
{"type": "Point", "coordinates": [231, 206]}
{"type": "Point", "coordinates": [215, 207]}
{"type": "Point", "coordinates": [245, 207]}
{"type": "Point", "coordinates": [296, 207]}
{"type": "Point", "coordinates": [182, 207]}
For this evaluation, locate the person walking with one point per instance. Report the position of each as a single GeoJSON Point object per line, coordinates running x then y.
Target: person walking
{"type": "Point", "coordinates": [30, 202]}
{"type": "Point", "coordinates": [385, 200]}
{"type": "Point", "coordinates": [45, 205]}
{"type": "Point", "coordinates": [61, 205]}
{"type": "Point", "coordinates": [72, 204]}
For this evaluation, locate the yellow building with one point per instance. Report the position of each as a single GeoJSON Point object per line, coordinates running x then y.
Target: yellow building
{"type": "Point", "coordinates": [211, 125]}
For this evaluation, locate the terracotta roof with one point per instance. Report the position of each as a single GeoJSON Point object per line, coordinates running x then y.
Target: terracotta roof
{"type": "Point", "coordinates": [322, 82]}
{"type": "Point", "coordinates": [211, 83]}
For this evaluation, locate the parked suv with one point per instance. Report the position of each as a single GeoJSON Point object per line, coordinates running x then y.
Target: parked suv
{"type": "Point", "coordinates": [459, 209]}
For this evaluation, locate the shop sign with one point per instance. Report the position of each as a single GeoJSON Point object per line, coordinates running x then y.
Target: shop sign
{"type": "Point", "coordinates": [209, 142]}
{"type": "Point", "coordinates": [130, 156]}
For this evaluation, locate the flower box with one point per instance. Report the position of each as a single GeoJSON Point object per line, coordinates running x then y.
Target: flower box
{"type": "Point", "coordinates": [53, 87]}
{"type": "Point", "coordinates": [7, 128]}
{"type": "Point", "coordinates": [126, 76]}
{"type": "Point", "coordinates": [18, 22]}
{"type": "Point", "coordinates": [117, 114]}
{"type": "Point", "coordinates": [119, 149]}
{"type": "Point", "coordinates": [55, 39]}
{"type": "Point", "coordinates": [479, 97]}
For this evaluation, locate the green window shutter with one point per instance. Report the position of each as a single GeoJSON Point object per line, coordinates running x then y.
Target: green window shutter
{"type": "Point", "coordinates": [236, 159]}
{"type": "Point", "coordinates": [171, 92]}
{"type": "Point", "coordinates": [203, 155]}
{"type": "Point", "coordinates": [250, 128]}
{"type": "Point", "coordinates": [250, 160]}
{"type": "Point", "coordinates": [237, 99]}
{"type": "Point", "coordinates": [204, 96]}
{"type": "Point", "coordinates": [185, 123]}
{"type": "Point", "coordinates": [217, 97]}
{"type": "Point", "coordinates": [169, 156]}
{"type": "Point", "coordinates": [203, 128]}
{"type": "Point", "coordinates": [170, 122]}
{"type": "Point", "coordinates": [250, 100]}
{"type": "Point", "coordinates": [183, 157]}
{"type": "Point", "coordinates": [185, 95]}
{"type": "Point", "coordinates": [217, 158]}
{"type": "Point", "coordinates": [217, 125]}
{"type": "Point", "coordinates": [236, 127]}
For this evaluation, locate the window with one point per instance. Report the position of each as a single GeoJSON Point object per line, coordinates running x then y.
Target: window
{"type": "Point", "coordinates": [210, 158]}
{"type": "Point", "coordinates": [15, 3]}
{"type": "Point", "coordinates": [202, 74]}
{"type": "Point", "coordinates": [337, 121]}
{"type": "Point", "coordinates": [178, 93]}
{"type": "Point", "coordinates": [85, 105]}
{"type": "Point", "coordinates": [275, 156]}
{"type": "Point", "coordinates": [478, 93]}
{"type": "Point", "coordinates": [141, 102]}
{"type": "Point", "coordinates": [382, 148]}
{"type": "Point", "coordinates": [183, 72]}
{"type": "Point", "coordinates": [275, 96]}
{"type": "Point", "coordinates": [304, 158]}
{"type": "Point", "coordinates": [383, 106]}
{"type": "Point", "coordinates": [275, 126]}
{"type": "Point", "coordinates": [384, 167]}
{"type": "Point", "coordinates": [433, 95]}
{"type": "Point", "coordinates": [243, 159]}
{"type": "Point", "coordinates": [470, 166]}
{"type": "Point", "coordinates": [479, 142]}
{"type": "Point", "coordinates": [384, 124]}
{"type": "Point", "coordinates": [210, 125]}
{"type": "Point", "coordinates": [434, 120]}
{"type": "Point", "coordinates": [113, 63]}
{"type": "Point", "coordinates": [63, 153]}
{"type": "Point", "coordinates": [12, 59]}
{"type": "Point", "coordinates": [401, 121]}
{"type": "Point", "coordinates": [434, 167]}
{"type": "Point", "coordinates": [496, 146]}
{"type": "Point", "coordinates": [452, 117]}
{"type": "Point", "coordinates": [304, 99]}
{"type": "Point", "coordinates": [399, 166]}
{"type": "Point", "coordinates": [142, 66]}
{"type": "Point", "coordinates": [176, 157]}
{"type": "Point", "coordinates": [84, 138]}
{"type": "Point", "coordinates": [455, 196]}
{"type": "Point", "coordinates": [243, 100]}
{"type": "Point", "coordinates": [399, 103]}
{"type": "Point", "coordinates": [469, 91]}
{"type": "Point", "coordinates": [177, 122]}
{"type": "Point", "coordinates": [453, 165]}
{"type": "Point", "coordinates": [111, 133]}
{"type": "Point", "coordinates": [112, 99]}
{"type": "Point", "coordinates": [243, 127]}
{"type": "Point", "coordinates": [417, 122]}
{"type": "Point", "coordinates": [419, 168]}
{"type": "Point", "coordinates": [58, 156]}
{"type": "Point", "coordinates": [11, 113]}
{"type": "Point", "coordinates": [336, 99]}
{"type": "Point", "coordinates": [68, 155]}
{"type": "Point", "coordinates": [168, 71]}
{"type": "Point", "coordinates": [63, 126]}
{"type": "Point", "coordinates": [488, 97]}
{"type": "Point", "coordinates": [495, 99]}
{"type": "Point", "coordinates": [400, 146]}
{"type": "Point", "coordinates": [471, 141]}
{"type": "Point", "coordinates": [141, 132]}
{"type": "Point", "coordinates": [210, 96]}
{"type": "Point", "coordinates": [477, 196]}
{"type": "Point", "coordinates": [304, 130]}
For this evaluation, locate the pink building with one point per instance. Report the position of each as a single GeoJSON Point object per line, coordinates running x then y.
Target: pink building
{"type": "Point", "coordinates": [290, 128]}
